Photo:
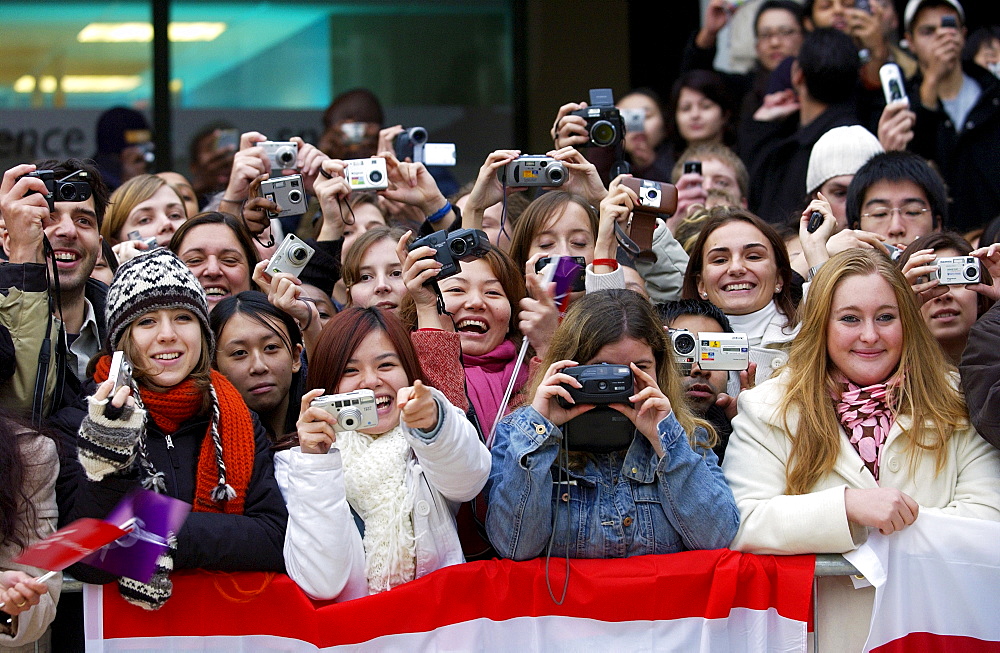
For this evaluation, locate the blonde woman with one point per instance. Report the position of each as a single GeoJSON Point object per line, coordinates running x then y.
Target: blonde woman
{"type": "Point", "coordinates": [143, 207]}
{"type": "Point", "coordinates": [865, 428]}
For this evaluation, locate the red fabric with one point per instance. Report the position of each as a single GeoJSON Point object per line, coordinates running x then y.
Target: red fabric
{"type": "Point", "coordinates": [691, 584]}
{"type": "Point", "coordinates": [180, 403]}
{"type": "Point", "coordinates": [931, 643]}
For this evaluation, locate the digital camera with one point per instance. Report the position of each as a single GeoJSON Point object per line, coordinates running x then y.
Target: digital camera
{"type": "Point", "coordinates": [74, 187]}
{"type": "Point", "coordinates": [410, 142]}
{"type": "Point", "coordinates": [450, 248]}
{"type": "Point", "coordinates": [605, 125]}
{"type": "Point", "coordinates": [287, 193]}
{"type": "Point", "coordinates": [654, 196]}
{"type": "Point", "coordinates": [957, 270]}
{"type": "Point", "coordinates": [712, 351]}
{"type": "Point", "coordinates": [120, 373]}
{"type": "Point", "coordinates": [533, 171]}
{"type": "Point", "coordinates": [602, 384]}
{"type": "Point", "coordinates": [291, 256]}
{"type": "Point", "coordinates": [580, 283]}
{"type": "Point", "coordinates": [601, 429]}
{"type": "Point", "coordinates": [150, 242]}
{"type": "Point", "coordinates": [367, 174]}
{"type": "Point", "coordinates": [281, 154]}
{"type": "Point", "coordinates": [353, 410]}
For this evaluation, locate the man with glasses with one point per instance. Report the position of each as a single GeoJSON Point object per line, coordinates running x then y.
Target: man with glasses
{"type": "Point", "coordinates": [899, 196]}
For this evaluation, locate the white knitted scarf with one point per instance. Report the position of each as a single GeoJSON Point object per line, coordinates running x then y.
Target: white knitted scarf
{"type": "Point", "coordinates": [375, 478]}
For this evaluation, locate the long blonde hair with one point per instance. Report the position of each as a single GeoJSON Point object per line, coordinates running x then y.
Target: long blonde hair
{"type": "Point", "coordinates": [606, 317]}
{"type": "Point", "coordinates": [925, 391]}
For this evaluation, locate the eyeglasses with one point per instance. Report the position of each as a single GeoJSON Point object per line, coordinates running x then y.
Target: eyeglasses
{"type": "Point", "coordinates": [780, 33]}
{"type": "Point", "coordinates": [908, 212]}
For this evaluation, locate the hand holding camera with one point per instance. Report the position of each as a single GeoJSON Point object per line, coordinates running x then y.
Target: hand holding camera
{"type": "Point", "coordinates": [352, 411]}
{"type": "Point", "coordinates": [539, 315]}
{"type": "Point", "coordinates": [553, 399]}
{"type": "Point", "coordinates": [24, 214]}
{"type": "Point", "coordinates": [917, 270]}
{"type": "Point", "coordinates": [410, 183]}
{"type": "Point", "coordinates": [248, 164]}
{"type": "Point", "coordinates": [570, 128]}
{"type": "Point", "coordinates": [315, 426]}
{"type": "Point", "coordinates": [452, 247]}
{"type": "Point", "coordinates": [582, 177]}
{"type": "Point", "coordinates": [420, 268]}
{"type": "Point", "coordinates": [989, 258]}
{"type": "Point", "coordinates": [615, 209]}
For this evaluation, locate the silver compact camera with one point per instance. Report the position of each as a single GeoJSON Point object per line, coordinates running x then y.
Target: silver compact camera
{"type": "Point", "coordinates": [353, 410]}
{"type": "Point", "coordinates": [533, 171]}
{"type": "Point", "coordinates": [150, 242]}
{"type": "Point", "coordinates": [287, 192]}
{"type": "Point", "coordinates": [281, 154]}
{"type": "Point", "coordinates": [291, 257]}
{"type": "Point", "coordinates": [367, 174]}
{"type": "Point", "coordinates": [120, 373]}
{"type": "Point", "coordinates": [957, 270]}
{"type": "Point", "coordinates": [712, 351]}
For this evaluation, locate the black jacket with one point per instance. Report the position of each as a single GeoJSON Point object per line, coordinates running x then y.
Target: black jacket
{"type": "Point", "coordinates": [253, 541]}
{"type": "Point", "coordinates": [980, 371]}
{"type": "Point", "coordinates": [968, 159]}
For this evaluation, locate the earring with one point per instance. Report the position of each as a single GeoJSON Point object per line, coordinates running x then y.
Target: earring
{"type": "Point", "coordinates": [777, 289]}
{"type": "Point", "coordinates": [704, 295]}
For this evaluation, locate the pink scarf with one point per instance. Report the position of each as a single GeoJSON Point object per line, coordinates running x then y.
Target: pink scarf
{"type": "Point", "coordinates": [867, 415]}
{"type": "Point", "coordinates": [487, 378]}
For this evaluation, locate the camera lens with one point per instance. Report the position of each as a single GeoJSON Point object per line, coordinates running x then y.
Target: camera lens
{"type": "Point", "coordinates": [418, 135]}
{"type": "Point", "coordinates": [294, 196]}
{"type": "Point", "coordinates": [349, 418]}
{"type": "Point", "coordinates": [651, 194]}
{"type": "Point", "coordinates": [603, 133]}
{"type": "Point", "coordinates": [684, 344]}
{"type": "Point", "coordinates": [971, 272]}
{"type": "Point", "coordinates": [286, 157]}
{"type": "Point", "coordinates": [602, 385]}
{"type": "Point", "coordinates": [67, 193]}
{"type": "Point", "coordinates": [375, 176]}
{"type": "Point", "coordinates": [298, 254]}
{"type": "Point", "coordinates": [556, 175]}
{"type": "Point", "coordinates": [458, 247]}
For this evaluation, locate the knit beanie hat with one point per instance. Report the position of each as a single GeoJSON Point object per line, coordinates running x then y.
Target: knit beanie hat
{"type": "Point", "coordinates": [153, 281]}
{"type": "Point", "coordinates": [840, 151]}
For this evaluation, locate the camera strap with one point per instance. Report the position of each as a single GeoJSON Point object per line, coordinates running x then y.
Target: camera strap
{"type": "Point", "coordinates": [45, 350]}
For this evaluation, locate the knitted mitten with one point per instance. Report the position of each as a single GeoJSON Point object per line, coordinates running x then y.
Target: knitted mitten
{"type": "Point", "coordinates": [152, 595]}
{"type": "Point", "coordinates": [108, 438]}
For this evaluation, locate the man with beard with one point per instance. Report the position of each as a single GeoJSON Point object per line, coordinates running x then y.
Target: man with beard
{"type": "Point", "coordinates": [29, 305]}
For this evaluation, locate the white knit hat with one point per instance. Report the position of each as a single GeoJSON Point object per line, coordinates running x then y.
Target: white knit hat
{"type": "Point", "coordinates": [840, 151]}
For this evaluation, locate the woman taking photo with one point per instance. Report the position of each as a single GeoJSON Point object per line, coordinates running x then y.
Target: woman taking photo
{"type": "Point", "coordinates": [372, 509]}
{"type": "Point", "coordinates": [666, 484]}
{"type": "Point", "coordinates": [179, 428]}
{"type": "Point", "coordinates": [865, 428]}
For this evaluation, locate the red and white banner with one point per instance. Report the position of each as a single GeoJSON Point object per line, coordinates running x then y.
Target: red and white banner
{"type": "Point", "coordinates": [936, 585]}
{"type": "Point", "coordinates": [694, 601]}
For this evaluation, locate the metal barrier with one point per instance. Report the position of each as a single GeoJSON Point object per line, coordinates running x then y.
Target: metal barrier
{"type": "Point", "coordinates": [827, 564]}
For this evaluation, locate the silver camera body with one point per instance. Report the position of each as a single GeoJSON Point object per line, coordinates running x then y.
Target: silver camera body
{"type": "Point", "coordinates": [287, 192]}
{"type": "Point", "coordinates": [353, 410]}
{"type": "Point", "coordinates": [957, 270]}
{"type": "Point", "coordinates": [150, 242]}
{"type": "Point", "coordinates": [712, 351]}
{"type": "Point", "coordinates": [291, 256]}
{"type": "Point", "coordinates": [120, 373]}
{"type": "Point", "coordinates": [533, 170]}
{"type": "Point", "coordinates": [367, 174]}
{"type": "Point", "coordinates": [281, 154]}
{"type": "Point", "coordinates": [650, 194]}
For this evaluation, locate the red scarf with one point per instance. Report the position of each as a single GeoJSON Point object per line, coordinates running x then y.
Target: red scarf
{"type": "Point", "coordinates": [183, 401]}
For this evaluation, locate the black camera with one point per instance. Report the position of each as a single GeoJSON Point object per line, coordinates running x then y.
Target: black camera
{"type": "Point", "coordinates": [605, 124]}
{"type": "Point", "coordinates": [74, 187]}
{"type": "Point", "coordinates": [450, 248]}
{"type": "Point", "coordinates": [602, 384]}
{"type": "Point", "coordinates": [601, 429]}
{"type": "Point", "coordinates": [409, 142]}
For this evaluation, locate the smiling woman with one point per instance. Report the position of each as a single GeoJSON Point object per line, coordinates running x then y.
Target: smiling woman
{"type": "Point", "coordinates": [219, 251]}
{"type": "Point", "coordinates": [143, 207]}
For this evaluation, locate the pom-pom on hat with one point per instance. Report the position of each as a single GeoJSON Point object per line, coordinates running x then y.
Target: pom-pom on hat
{"type": "Point", "coordinates": [840, 151]}
{"type": "Point", "coordinates": [153, 281]}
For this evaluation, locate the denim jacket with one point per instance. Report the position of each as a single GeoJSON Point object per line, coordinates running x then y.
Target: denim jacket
{"type": "Point", "coordinates": [621, 504]}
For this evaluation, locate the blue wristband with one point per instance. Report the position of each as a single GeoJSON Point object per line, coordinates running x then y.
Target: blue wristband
{"type": "Point", "coordinates": [440, 213]}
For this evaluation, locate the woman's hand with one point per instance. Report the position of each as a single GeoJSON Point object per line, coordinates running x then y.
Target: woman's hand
{"type": "Point", "coordinates": [884, 508]}
{"type": "Point", "coordinates": [651, 407]}
{"type": "Point", "coordinates": [248, 164]}
{"type": "Point", "coordinates": [417, 407]}
{"type": "Point", "coordinates": [410, 183]}
{"type": "Point", "coordinates": [690, 191]}
{"type": "Point", "coordinates": [539, 316]}
{"type": "Point", "coordinates": [777, 106]}
{"type": "Point", "coordinates": [308, 163]}
{"type": "Point", "coordinates": [487, 190]}
{"type": "Point", "coordinates": [257, 210]}
{"type": "Point", "coordinates": [615, 208]}
{"type": "Point", "coordinates": [989, 257]}
{"type": "Point", "coordinates": [583, 178]}
{"type": "Point", "coordinates": [419, 269]}
{"type": "Point", "coordinates": [129, 249]}
{"type": "Point", "coordinates": [727, 402]}
{"type": "Point", "coordinates": [546, 400]}
{"type": "Point", "coordinates": [121, 398]}
{"type": "Point", "coordinates": [850, 238]}
{"type": "Point", "coordinates": [917, 270]}
{"type": "Point", "coordinates": [814, 244]}
{"type": "Point", "coordinates": [567, 129]}
{"type": "Point", "coordinates": [19, 592]}
{"type": "Point", "coordinates": [315, 425]}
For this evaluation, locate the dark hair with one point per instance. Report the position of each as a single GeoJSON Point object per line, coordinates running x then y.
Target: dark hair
{"type": "Point", "coordinates": [110, 258]}
{"type": "Point", "coordinates": [195, 143]}
{"type": "Point", "coordinates": [991, 233]}
{"type": "Point", "coordinates": [710, 84]}
{"type": "Point", "coordinates": [895, 167]}
{"type": "Point", "coordinates": [719, 216]}
{"type": "Point", "coordinates": [949, 240]}
{"type": "Point", "coordinates": [17, 512]}
{"type": "Point", "coordinates": [356, 104]}
{"type": "Point", "coordinates": [670, 311]}
{"type": "Point", "coordinates": [344, 333]}
{"type": "Point", "coordinates": [978, 39]}
{"type": "Point", "coordinates": [101, 192]}
{"type": "Point", "coordinates": [236, 225]}
{"type": "Point", "coordinates": [830, 64]}
{"type": "Point", "coordinates": [792, 7]}
{"type": "Point", "coordinates": [254, 305]}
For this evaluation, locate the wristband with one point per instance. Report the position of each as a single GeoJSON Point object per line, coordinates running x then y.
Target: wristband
{"type": "Point", "coordinates": [813, 270]}
{"type": "Point", "coordinates": [440, 213]}
{"type": "Point", "coordinates": [610, 262]}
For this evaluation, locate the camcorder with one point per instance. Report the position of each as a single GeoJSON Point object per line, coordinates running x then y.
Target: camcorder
{"type": "Point", "coordinates": [281, 154]}
{"type": "Point", "coordinates": [412, 143]}
{"type": "Point", "coordinates": [605, 125]}
{"type": "Point", "coordinates": [655, 198]}
{"type": "Point", "coordinates": [66, 189]}
{"type": "Point", "coordinates": [292, 256]}
{"type": "Point", "coordinates": [533, 170]}
{"type": "Point", "coordinates": [367, 174]}
{"type": "Point", "coordinates": [956, 270]}
{"type": "Point", "coordinates": [601, 429]}
{"type": "Point", "coordinates": [711, 350]}
{"type": "Point", "coordinates": [287, 193]}
{"type": "Point", "coordinates": [455, 246]}
{"type": "Point", "coordinates": [352, 410]}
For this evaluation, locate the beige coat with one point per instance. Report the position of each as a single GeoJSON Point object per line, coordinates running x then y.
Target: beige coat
{"type": "Point", "coordinates": [775, 523]}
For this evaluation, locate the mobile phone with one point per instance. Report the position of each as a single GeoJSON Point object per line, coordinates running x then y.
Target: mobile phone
{"type": "Point", "coordinates": [949, 21]}
{"type": "Point", "coordinates": [892, 83]}
{"type": "Point", "coordinates": [815, 220]}
{"type": "Point", "coordinates": [228, 139]}
{"type": "Point", "coordinates": [635, 120]}
{"type": "Point", "coordinates": [692, 166]}
{"type": "Point", "coordinates": [120, 373]}
{"type": "Point", "coordinates": [580, 283]}
{"type": "Point", "coordinates": [863, 5]}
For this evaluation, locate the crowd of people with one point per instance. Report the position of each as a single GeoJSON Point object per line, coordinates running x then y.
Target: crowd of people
{"type": "Point", "coordinates": [813, 224]}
